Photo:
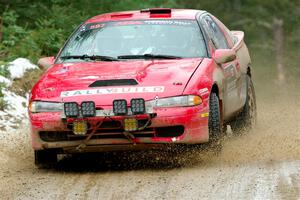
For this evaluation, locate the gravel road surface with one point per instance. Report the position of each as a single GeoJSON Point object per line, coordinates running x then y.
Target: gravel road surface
{"type": "Point", "coordinates": [262, 164]}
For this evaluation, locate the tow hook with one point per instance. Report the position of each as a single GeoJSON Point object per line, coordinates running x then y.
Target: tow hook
{"type": "Point", "coordinates": [81, 146]}
{"type": "Point", "coordinates": [130, 137]}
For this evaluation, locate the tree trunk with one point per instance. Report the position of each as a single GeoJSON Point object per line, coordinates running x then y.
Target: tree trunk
{"type": "Point", "coordinates": [279, 41]}
{"type": "Point", "coordinates": [1, 37]}
{"type": "Point", "coordinates": [1, 28]}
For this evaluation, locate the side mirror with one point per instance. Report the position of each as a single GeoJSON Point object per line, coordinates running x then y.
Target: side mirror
{"type": "Point", "coordinates": [45, 63]}
{"type": "Point", "coordinates": [224, 55]}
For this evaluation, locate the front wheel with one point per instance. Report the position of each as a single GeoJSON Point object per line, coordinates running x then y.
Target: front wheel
{"type": "Point", "coordinates": [45, 158]}
{"type": "Point", "coordinates": [215, 124]}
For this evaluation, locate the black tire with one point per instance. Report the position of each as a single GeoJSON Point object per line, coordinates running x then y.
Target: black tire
{"type": "Point", "coordinates": [215, 124]}
{"type": "Point", "coordinates": [45, 158]}
{"type": "Point", "coordinates": [246, 119]}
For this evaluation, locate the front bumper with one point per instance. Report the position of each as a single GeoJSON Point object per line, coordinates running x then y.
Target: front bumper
{"type": "Point", "coordinates": [189, 125]}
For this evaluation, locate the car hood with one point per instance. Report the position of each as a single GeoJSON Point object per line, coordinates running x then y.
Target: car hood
{"type": "Point", "coordinates": [155, 78]}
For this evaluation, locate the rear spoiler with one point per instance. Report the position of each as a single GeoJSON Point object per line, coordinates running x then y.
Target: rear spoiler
{"type": "Point", "coordinates": [157, 10]}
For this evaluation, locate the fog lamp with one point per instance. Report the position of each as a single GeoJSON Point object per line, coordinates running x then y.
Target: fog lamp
{"type": "Point", "coordinates": [79, 127]}
{"type": "Point", "coordinates": [120, 107]}
{"type": "Point", "coordinates": [138, 106]}
{"type": "Point", "coordinates": [71, 109]}
{"type": "Point", "coordinates": [130, 124]}
{"type": "Point", "coordinates": [88, 109]}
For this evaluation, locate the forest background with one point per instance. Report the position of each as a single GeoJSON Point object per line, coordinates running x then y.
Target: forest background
{"type": "Point", "coordinates": [37, 28]}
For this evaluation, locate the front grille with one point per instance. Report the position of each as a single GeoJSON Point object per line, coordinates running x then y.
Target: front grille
{"type": "Point", "coordinates": [112, 133]}
{"type": "Point", "coordinates": [114, 82]}
{"type": "Point", "coordinates": [110, 125]}
{"type": "Point", "coordinates": [169, 131]}
{"type": "Point", "coordinates": [53, 136]}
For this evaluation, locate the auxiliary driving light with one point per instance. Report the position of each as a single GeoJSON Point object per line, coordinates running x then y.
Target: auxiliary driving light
{"type": "Point", "coordinates": [71, 109]}
{"type": "Point", "coordinates": [130, 124]}
{"type": "Point", "coordinates": [138, 106]}
{"type": "Point", "coordinates": [79, 127]}
{"type": "Point", "coordinates": [88, 109]}
{"type": "Point", "coordinates": [120, 107]}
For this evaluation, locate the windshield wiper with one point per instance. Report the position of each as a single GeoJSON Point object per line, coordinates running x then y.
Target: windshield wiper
{"type": "Point", "coordinates": [148, 56]}
{"type": "Point", "coordinates": [92, 57]}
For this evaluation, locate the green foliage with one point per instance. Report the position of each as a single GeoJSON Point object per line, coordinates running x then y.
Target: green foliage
{"type": "Point", "coordinates": [34, 28]}
{"type": "Point", "coordinates": [4, 71]}
{"type": "Point", "coordinates": [255, 17]}
{"type": "Point", "coordinates": [3, 103]}
{"type": "Point", "coordinates": [48, 36]}
{"type": "Point", "coordinates": [11, 33]}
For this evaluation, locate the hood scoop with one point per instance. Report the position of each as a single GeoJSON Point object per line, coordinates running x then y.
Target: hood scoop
{"type": "Point", "coordinates": [114, 82]}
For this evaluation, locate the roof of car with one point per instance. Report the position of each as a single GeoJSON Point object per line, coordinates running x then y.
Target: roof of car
{"type": "Point", "coordinates": [152, 13]}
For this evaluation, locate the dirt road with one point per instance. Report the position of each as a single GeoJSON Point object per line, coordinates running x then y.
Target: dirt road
{"type": "Point", "coordinates": [263, 164]}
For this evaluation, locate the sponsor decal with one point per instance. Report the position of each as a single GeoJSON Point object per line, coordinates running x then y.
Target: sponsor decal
{"type": "Point", "coordinates": [123, 90]}
{"type": "Point", "coordinates": [169, 22]}
{"type": "Point", "coordinates": [100, 25]}
{"type": "Point", "coordinates": [96, 26]}
{"type": "Point", "coordinates": [203, 91]}
{"type": "Point", "coordinates": [126, 23]}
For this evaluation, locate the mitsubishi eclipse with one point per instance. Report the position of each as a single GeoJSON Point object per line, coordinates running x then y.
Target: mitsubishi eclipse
{"type": "Point", "coordinates": [139, 79]}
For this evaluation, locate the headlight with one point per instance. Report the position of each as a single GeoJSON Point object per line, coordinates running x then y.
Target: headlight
{"type": "Point", "coordinates": [179, 101]}
{"type": "Point", "coordinates": [41, 106]}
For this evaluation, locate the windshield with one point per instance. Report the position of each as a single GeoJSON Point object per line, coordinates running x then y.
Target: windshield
{"type": "Point", "coordinates": [127, 39]}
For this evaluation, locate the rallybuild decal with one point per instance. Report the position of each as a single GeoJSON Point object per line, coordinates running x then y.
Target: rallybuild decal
{"type": "Point", "coordinates": [124, 90]}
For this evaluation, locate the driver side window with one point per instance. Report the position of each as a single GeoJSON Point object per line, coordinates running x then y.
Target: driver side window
{"type": "Point", "coordinates": [214, 33]}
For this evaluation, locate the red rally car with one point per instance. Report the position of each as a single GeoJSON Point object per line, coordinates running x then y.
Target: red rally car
{"type": "Point", "coordinates": [139, 79]}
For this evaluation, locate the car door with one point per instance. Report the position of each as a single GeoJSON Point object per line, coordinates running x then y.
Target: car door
{"type": "Point", "coordinates": [231, 70]}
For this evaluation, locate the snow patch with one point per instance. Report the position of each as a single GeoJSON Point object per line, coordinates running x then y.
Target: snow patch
{"type": "Point", "coordinates": [18, 67]}
{"type": "Point", "coordinates": [5, 80]}
{"type": "Point", "coordinates": [15, 111]}
{"type": "Point", "coordinates": [16, 105]}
